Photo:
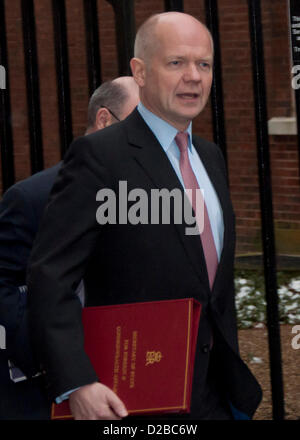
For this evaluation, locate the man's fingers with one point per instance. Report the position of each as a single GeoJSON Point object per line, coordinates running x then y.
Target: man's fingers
{"type": "Point", "coordinates": [116, 404]}
{"type": "Point", "coordinates": [96, 402]}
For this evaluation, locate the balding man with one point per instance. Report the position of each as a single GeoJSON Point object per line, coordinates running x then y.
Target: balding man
{"type": "Point", "coordinates": [112, 102]}
{"type": "Point", "coordinates": [20, 212]}
{"type": "Point", "coordinates": [139, 261]}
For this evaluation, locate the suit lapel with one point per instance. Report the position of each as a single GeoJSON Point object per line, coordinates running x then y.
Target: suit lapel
{"type": "Point", "coordinates": [151, 157]}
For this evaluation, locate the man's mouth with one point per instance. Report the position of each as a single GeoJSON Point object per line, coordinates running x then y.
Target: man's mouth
{"type": "Point", "coordinates": [188, 96]}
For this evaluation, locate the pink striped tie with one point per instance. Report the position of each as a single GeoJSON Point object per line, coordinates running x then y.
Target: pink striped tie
{"type": "Point", "coordinates": [190, 182]}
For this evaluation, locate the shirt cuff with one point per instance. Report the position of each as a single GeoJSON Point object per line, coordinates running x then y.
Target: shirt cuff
{"type": "Point", "coordinates": [65, 396]}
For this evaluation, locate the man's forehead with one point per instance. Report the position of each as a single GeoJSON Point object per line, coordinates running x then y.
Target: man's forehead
{"type": "Point", "coordinates": [191, 47]}
{"type": "Point", "coordinates": [183, 53]}
{"type": "Point", "coordinates": [169, 34]}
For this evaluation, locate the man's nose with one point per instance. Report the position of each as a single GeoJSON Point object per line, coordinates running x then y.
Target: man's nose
{"type": "Point", "coordinates": [193, 73]}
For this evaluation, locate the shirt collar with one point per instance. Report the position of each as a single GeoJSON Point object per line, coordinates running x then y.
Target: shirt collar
{"type": "Point", "coordinates": [163, 131]}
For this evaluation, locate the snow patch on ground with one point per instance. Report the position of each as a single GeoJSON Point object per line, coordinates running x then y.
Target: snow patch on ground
{"type": "Point", "coordinates": [251, 303]}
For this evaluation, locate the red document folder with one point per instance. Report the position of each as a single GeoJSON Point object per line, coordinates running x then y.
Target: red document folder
{"type": "Point", "coordinates": [144, 352]}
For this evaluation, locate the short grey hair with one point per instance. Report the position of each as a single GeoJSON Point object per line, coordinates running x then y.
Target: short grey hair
{"type": "Point", "coordinates": [110, 95]}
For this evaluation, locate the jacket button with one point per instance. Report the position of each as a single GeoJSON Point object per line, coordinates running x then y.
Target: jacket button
{"type": "Point", "coordinates": [205, 348]}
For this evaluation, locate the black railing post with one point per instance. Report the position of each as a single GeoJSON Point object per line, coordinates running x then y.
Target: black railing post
{"type": "Point", "coordinates": [125, 32]}
{"type": "Point", "coordinates": [92, 44]}
{"type": "Point", "coordinates": [174, 5]}
{"type": "Point", "coordinates": [62, 73]}
{"type": "Point", "coordinates": [7, 155]}
{"type": "Point", "coordinates": [266, 208]}
{"type": "Point", "coordinates": [32, 84]}
{"type": "Point", "coordinates": [212, 21]}
{"type": "Point", "coordinates": [294, 13]}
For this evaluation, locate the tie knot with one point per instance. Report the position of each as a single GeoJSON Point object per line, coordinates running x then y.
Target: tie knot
{"type": "Point", "coordinates": [181, 140]}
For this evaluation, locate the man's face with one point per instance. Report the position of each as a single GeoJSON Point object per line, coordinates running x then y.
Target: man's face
{"type": "Point", "coordinates": [178, 75]}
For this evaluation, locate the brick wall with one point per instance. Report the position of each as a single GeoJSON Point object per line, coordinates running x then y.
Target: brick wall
{"type": "Point", "coordinates": [238, 101]}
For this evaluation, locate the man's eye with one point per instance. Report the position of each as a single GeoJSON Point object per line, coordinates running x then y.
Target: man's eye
{"type": "Point", "coordinates": [175, 63]}
{"type": "Point", "coordinates": [205, 66]}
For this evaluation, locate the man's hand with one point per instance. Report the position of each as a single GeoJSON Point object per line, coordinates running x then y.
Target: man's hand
{"type": "Point", "coordinates": [96, 402]}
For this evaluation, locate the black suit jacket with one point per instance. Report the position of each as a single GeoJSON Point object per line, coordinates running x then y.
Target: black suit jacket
{"type": "Point", "coordinates": [20, 212]}
{"type": "Point", "coordinates": [126, 263]}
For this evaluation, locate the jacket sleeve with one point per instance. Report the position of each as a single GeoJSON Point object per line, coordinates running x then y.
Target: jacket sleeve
{"type": "Point", "coordinates": [17, 232]}
{"type": "Point", "coordinates": [66, 239]}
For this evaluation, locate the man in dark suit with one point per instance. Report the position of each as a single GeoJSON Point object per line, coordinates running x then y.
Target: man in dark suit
{"type": "Point", "coordinates": [138, 261]}
{"type": "Point", "coordinates": [20, 213]}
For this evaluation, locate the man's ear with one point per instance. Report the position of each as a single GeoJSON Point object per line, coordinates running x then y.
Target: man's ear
{"type": "Point", "coordinates": [138, 70]}
{"type": "Point", "coordinates": [103, 118]}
